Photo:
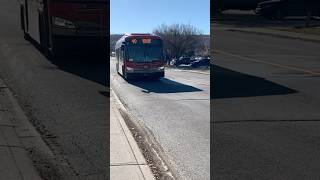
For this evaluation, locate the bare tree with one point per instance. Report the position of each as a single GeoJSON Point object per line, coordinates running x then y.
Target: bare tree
{"type": "Point", "coordinates": [179, 39]}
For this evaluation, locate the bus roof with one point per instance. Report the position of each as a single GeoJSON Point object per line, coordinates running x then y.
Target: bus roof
{"type": "Point", "coordinates": [128, 35]}
{"type": "Point", "coordinates": [140, 34]}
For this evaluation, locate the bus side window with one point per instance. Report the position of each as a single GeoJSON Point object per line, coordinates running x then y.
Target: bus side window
{"type": "Point", "coordinates": [118, 54]}
{"type": "Point", "coordinates": [121, 52]}
{"type": "Point", "coordinates": [124, 54]}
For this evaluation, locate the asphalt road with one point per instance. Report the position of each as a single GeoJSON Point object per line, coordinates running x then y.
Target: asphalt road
{"type": "Point", "coordinates": [65, 99]}
{"type": "Point", "coordinates": [176, 110]}
{"type": "Point", "coordinates": [266, 102]}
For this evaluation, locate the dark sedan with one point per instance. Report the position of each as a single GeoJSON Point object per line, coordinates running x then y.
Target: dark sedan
{"type": "Point", "coordinates": [201, 62]}
{"type": "Point", "coordinates": [278, 9]}
{"type": "Point", "coordinates": [183, 60]}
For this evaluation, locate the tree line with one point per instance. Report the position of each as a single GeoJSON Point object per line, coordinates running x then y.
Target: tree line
{"type": "Point", "coordinates": [182, 40]}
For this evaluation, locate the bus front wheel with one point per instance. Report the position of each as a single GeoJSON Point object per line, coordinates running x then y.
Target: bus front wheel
{"type": "Point", "coordinates": [124, 73]}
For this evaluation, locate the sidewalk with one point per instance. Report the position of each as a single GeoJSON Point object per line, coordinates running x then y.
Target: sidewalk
{"type": "Point", "coordinates": [15, 163]}
{"type": "Point", "coordinates": [205, 71]}
{"type": "Point", "coordinates": [126, 160]}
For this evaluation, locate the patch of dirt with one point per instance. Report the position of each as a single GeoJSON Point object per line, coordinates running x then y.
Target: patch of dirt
{"type": "Point", "coordinates": [56, 168]}
{"type": "Point", "coordinates": [47, 168]}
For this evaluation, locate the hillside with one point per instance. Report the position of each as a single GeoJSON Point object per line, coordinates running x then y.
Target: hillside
{"type": "Point", "coordinates": [113, 39]}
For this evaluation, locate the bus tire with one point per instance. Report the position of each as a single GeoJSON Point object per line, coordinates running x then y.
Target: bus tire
{"type": "Point", "coordinates": [279, 14]}
{"type": "Point", "coordinates": [157, 78]}
{"type": "Point", "coordinates": [125, 74]}
{"type": "Point", "coordinates": [126, 77]}
{"type": "Point", "coordinates": [55, 51]}
{"type": "Point", "coordinates": [26, 36]}
{"type": "Point", "coordinates": [22, 18]}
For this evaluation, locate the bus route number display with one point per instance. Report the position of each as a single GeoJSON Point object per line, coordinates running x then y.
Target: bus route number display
{"type": "Point", "coordinates": [143, 41]}
{"type": "Point", "coordinates": [146, 41]}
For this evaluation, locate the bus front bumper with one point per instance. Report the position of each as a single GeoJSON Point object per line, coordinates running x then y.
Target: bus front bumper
{"type": "Point", "coordinates": [71, 40]}
{"type": "Point", "coordinates": [155, 72]}
{"type": "Point", "coordinates": [80, 43]}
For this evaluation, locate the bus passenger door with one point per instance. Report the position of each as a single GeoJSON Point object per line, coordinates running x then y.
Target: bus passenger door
{"type": "Point", "coordinates": [117, 60]}
{"type": "Point", "coordinates": [121, 60]}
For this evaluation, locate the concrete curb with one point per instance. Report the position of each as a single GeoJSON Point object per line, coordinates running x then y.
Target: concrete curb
{"type": "Point", "coordinates": [148, 144]}
{"type": "Point", "coordinates": [142, 163]}
{"type": "Point", "coordinates": [28, 136]}
{"type": "Point", "coordinates": [298, 36]}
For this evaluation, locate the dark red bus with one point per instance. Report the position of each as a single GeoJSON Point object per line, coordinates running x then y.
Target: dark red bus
{"type": "Point", "coordinates": [140, 55]}
{"type": "Point", "coordinates": [62, 26]}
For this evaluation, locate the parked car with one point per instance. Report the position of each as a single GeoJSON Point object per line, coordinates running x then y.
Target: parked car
{"type": "Point", "coordinates": [221, 5]}
{"type": "Point", "coordinates": [201, 62]}
{"type": "Point", "coordinates": [173, 61]}
{"type": "Point", "coordinates": [198, 58]}
{"type": "Point", "coordinates": [278, 9]}
{"type": "Point", "coordinates": [183, 60]}
{"type": "Point", "coordinates": [192, 59]}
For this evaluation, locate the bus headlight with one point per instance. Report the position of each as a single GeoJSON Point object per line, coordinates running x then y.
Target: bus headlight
{"type": "Point", "coordinates": [60, 22]}
{"type": "Point", "coordinates": [129, 69]}
{"type": "Point", "coordinates": [161, 68]}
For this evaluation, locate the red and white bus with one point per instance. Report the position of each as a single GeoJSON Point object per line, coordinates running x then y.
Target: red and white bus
{"type": "Point", "coordinates": [62, 26]}
{"type": "Point", "coordinates": [140, 55]}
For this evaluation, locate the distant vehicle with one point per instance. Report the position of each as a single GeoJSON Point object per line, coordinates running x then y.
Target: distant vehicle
{"type": "Point", "coordinates": [221, 5]}
{"type": "Point", "coordinates": [278, 9]}
{"type": "Point", "coordinates": [183, 60]}
{"type": "Point", "coordinates": [198, 58]}
{"type": "Point", "coordinates": [61, 26]}
{"type": "Point", "coordinates": [140, 55]}
{"type": "Point", "coordinates": [173, 61]}
{"type": "Point", "coordinates": [201, 62]}
{"type": "Point", "coordinates": [192, 59]}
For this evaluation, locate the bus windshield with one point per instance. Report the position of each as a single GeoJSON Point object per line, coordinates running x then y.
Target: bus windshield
{"type": "Point", "coordinates": [145, 50]}
{"type": "Point", "coordinates": [141, 53]}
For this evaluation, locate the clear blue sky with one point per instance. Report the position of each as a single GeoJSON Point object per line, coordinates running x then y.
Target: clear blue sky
{"type": "Point", "coordinates": [142, 16]}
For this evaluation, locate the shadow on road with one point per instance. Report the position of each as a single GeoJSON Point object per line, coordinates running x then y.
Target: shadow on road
{"type": "Point", "coordinates": [163, 85]}
{"type": "Point", "coordinates": [230, 84]}
{"type": "Point", "coordinates": [105, 93]}
{"type": "Point", "coordinates": [95, 69]}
